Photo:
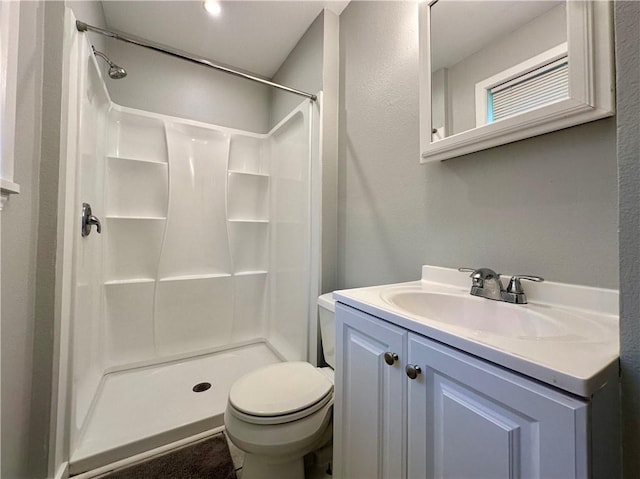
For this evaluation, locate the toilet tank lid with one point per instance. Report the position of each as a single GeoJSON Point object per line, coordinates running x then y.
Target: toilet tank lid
{"type": "Point", "coordinates": [326, 301]}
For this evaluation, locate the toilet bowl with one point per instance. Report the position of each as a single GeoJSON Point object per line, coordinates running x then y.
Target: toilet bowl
{"type": "Point", "coordinates": [279, 413]}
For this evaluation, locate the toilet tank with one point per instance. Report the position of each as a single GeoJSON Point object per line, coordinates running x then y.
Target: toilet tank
{"type": "Point", "coordinates": [326, 315]}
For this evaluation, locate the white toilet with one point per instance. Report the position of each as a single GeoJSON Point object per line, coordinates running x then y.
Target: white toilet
{"type": "Point", "coordinates": [281, 412]}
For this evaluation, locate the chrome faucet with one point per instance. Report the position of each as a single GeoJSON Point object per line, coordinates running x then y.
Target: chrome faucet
{"type": "Point", "coordinates": [486, 283]}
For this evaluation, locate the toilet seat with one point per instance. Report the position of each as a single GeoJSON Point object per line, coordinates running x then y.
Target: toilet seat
{"type": "Point", "coordinates": [280, 393]}
{"type": "Point", "coordinates": [282, 419]}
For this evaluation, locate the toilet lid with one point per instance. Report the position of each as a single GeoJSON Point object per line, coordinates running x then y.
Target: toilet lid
{"type": "Point", "coordinates": [279, 389]}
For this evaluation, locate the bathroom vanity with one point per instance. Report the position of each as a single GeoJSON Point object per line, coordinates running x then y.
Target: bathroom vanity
{"type": "Point", "coordinates": [525, 391]}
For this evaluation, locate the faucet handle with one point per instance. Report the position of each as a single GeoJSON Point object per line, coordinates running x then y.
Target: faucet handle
{"type": "Point", "coordinates": [480, 275]}
{"type": "Point", "coordinates": [516, 287]}
{"type": "Point", "coordinates": [476, 279]}
{"type": "Point", "coordinates": [467, 270]}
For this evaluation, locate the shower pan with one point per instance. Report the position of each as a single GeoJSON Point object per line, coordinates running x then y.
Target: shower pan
{"type": "Point", "coordinates": [202, 271]}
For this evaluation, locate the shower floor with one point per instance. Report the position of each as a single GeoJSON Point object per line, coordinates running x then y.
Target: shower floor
{"type": "Point", "coordinates": [141, 409]}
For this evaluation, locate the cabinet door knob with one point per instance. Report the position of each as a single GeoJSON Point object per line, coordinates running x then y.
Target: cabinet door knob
{"type": "Point", "coordinates": [413, 370]}
{"type": "Point", "coordinates": [390, 358]}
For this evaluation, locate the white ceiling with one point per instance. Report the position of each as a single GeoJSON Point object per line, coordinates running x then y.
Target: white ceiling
{"type": "Point", "coordinates": [461, 28]}
{"type": "Point", "coordinates": [255, 36]}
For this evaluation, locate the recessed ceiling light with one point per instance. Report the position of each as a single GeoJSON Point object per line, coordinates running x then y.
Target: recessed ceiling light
{"type": "Point", "coordinates": [213, 7]}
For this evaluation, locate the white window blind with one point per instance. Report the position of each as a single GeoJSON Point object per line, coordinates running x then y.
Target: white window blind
{"type": "Point", "coordinates": [530, 90]}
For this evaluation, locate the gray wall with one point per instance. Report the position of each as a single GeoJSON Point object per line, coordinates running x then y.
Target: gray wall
{"type": "Point", "coordinates": [159, 83]}
{"type": "Point", "coordinates": [330, 130]}
{"type": "Point", "coordinates": [19, 227]}
{"type": "Point", "coordinates": [382, 201]}
{"type": "Point", "coordinates": [545, 206]}
{"type": "Point", "coordinates": [627, 19]}
{"type": "Point", "coordinates": [29, 246]}
{"type": "Point", "coordinates": [301, 70]}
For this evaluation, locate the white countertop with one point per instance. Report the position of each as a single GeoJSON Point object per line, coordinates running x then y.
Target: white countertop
{"type": "Point", "coordinates": [580, 361]}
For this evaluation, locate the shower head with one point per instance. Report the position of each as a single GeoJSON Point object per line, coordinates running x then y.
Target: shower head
{"type": "Point", "coordinates": [115, 72]}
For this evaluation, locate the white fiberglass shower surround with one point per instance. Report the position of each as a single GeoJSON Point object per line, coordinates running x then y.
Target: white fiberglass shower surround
{"type": "Point", "coordinates": [203, 270]}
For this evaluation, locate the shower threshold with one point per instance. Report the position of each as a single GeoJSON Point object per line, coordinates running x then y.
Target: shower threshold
{"type": "Point", "coordinates": [145, 408]}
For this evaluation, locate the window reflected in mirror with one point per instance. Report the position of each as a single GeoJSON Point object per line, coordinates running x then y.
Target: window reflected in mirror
{"type": "Point", "coordinates": [492, 60]}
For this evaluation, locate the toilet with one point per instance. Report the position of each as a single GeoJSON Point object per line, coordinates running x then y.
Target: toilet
{"type": "Point", "coordinates": [279, 413]}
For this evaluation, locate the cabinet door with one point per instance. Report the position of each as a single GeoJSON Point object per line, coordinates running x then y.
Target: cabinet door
{"type": "Point", "coordinates": [369, 411]}
{"type": "Point", "coordinates": [470, 419]}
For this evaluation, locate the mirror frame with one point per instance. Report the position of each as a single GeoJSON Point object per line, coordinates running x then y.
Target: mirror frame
{"type": "Point", "coordinates": [591, 86]}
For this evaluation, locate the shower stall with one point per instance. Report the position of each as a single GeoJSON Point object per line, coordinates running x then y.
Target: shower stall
{"type": "Point", "coordinates": [203, 269]}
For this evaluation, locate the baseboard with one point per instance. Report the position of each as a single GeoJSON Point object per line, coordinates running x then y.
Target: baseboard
{"type": "Point", "coordinates": [144, 456]}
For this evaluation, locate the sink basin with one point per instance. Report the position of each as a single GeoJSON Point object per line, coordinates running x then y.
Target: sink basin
{"type": "Point", "coordinates": [481, 315]}
{"type": "Point", "coordinates": [566, 336]}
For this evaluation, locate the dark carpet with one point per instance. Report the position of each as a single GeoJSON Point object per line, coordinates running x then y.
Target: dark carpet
{"type": "Point", "coordinates": [209, 459]}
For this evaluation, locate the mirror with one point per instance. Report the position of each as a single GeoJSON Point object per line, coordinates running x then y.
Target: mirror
{"type": "Point", "coordinates": [493, 72]}
{"type": "Point", "coordinates": [503, 64]}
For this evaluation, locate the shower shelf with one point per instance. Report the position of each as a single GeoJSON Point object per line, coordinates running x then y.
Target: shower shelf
{"type": "Point", "coordinates": [247, 197]}
{"type": "Point", "coordinates": [120, 217]}
{"type": "Point", "coordinates": [195, 277]}
{"type": "Point", "coordinates": [250, 273]}
{"type": "Point", "coordinates": [116, 282]}
{"type": "Point", "coordinates": [247, 220]}
{"type": "Point", "coordinates": [248, 173]}
{"type": "Point", "coordinates": [138, 160]}
{"type": "Point", "coordinates": [136, 188]}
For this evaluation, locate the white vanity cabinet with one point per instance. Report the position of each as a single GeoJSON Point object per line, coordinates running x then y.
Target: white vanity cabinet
{"type": "Point", "coordinates": [468, 418]}
{"type": "Point", "coordinates": [461, 417]}
{"type": "Point", "coordinates": [370, 407]}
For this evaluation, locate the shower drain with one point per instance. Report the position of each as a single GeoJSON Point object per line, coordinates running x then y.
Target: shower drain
{"type": "Point", "coordinates": [201, 387]}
